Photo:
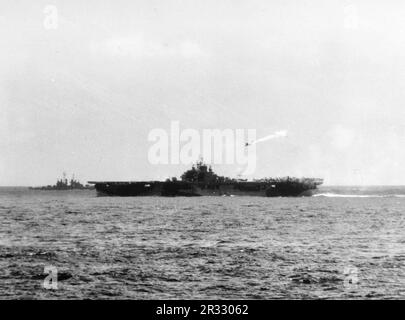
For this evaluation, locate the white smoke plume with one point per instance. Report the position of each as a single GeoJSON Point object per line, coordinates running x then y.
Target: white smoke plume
{"type": "Point", "coordinates": [278, 134]}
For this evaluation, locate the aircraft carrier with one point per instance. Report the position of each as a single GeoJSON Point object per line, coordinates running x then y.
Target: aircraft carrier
{"type": "Point", "coordinates": [200, 180]}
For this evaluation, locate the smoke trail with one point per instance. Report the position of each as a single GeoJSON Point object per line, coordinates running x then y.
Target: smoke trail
{"type": "Point", "coordinates": [278, 134]}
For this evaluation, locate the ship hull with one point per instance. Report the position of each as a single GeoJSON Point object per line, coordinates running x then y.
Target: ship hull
{"type": "Point", "coordinates": [173, 189]}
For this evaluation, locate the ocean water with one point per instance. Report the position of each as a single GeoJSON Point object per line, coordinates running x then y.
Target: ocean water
{"type": "Point", "coordinates": [341, 243]}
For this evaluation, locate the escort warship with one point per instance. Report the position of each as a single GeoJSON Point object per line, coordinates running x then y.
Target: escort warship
{"type": "Point", "coordinates": [64, 184]}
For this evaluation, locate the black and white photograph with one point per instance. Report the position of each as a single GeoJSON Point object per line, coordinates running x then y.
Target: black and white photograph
{"type": "Point", "coordinates": [199, 150]}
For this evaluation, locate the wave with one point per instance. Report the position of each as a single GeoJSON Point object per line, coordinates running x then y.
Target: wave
{"type": "Point", "coordinates": [339, 195]}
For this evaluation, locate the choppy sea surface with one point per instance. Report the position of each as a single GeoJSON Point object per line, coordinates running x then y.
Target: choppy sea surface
{"type": "Point", "coordinates": [342, 243]}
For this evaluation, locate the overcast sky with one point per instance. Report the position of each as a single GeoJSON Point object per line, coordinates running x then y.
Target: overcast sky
{"type": "Point", "coordinates": [82, 97]}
